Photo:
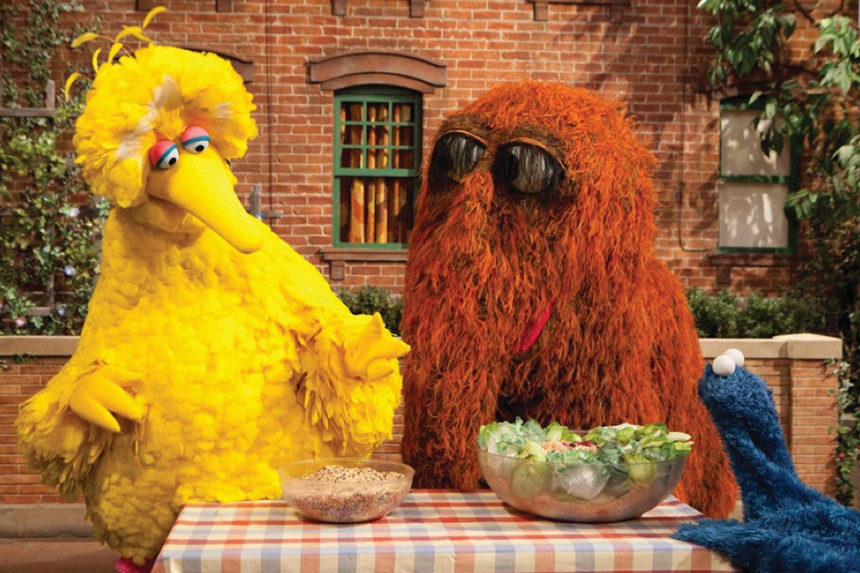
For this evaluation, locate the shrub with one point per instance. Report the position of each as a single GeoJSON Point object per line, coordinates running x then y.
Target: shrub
{"type": "Point", "coordinates": [725, 315]}
{"type": "Point", "coordinates": [716, 316]}
{"type": "Point", "coordinates": [369, 299]}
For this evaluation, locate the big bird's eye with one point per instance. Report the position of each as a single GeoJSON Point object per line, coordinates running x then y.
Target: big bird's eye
{"type": "Point", "coordinates": [163, 154]}
{"type": "Point", "coordinates": [527, 169]}
{"type": "Point", "coordinates": [195, 139]}
{"type": "Point", "coordinates": [455, 155]}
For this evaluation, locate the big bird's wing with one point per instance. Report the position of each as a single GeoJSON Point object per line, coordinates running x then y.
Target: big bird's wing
{"type": "Point", "coordinates": [64, 428]}
{"type": "Point", "coordinates": [351, 380]}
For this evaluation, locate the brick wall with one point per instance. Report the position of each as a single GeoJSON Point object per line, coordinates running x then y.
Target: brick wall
{"type": "Point", "coordinates": [812, 416]}
{"type": "Point", "coordinates": [802, 386]}
{"type": "Point", "coordinates": [649, 54]}
{"type": "Point", "coordinates": [19, 381]}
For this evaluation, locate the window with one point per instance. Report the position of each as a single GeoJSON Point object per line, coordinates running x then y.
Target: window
{"type": "Point", "coordinates": [753, 186]}
{"type": "Point", "coordinates": [377, 154]}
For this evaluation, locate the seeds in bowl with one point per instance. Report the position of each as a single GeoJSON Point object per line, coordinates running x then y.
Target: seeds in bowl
{"type": "Point", "coordinates": [339, 494]}
{"type": "Point", "coordinates": [336, 473]}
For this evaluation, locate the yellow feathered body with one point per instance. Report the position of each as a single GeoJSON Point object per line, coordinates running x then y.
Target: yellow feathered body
{"type": "Point", "coordinates": [238, 363]}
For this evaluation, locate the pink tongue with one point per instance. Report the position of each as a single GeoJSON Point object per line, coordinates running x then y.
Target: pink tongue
{"type": "Point", "coordinates": [534, 329]}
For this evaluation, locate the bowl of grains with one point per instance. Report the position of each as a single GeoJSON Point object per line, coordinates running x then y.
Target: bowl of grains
{"type": "Point", "coordinates": [345, 490]}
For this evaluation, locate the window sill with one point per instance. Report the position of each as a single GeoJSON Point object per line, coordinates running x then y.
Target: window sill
{"type": "Point", "coordinates": [616, 8]}
{"type": "Point", "coordinates": [338, 257]}
{"type": "Point", "coordinates": [725, 262]}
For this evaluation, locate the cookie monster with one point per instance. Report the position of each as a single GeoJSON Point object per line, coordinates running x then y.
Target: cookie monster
{"type": "Point", "coordinates": [787, 525]}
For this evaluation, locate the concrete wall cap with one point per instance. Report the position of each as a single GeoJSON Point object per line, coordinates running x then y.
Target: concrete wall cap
{"type": "Point", "coordinates": [44, 520]}
{"type": "Point", "coordinates": [802, 346]}
{"type": "Point", "coordinates": [38, 345]}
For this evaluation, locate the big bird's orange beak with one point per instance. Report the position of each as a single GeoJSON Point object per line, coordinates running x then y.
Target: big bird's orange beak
{"type": "Point", "coordinates": [202, 184]}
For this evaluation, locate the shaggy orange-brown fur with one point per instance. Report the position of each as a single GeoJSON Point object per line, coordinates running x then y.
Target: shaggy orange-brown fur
{"type": "Point", "coordinates": [486, 262]}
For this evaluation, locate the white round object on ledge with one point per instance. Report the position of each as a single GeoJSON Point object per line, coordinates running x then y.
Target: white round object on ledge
{"type": "Point", "coordinates": [724, 365]}
{"type": "Point", "coordinates": [736, 355]}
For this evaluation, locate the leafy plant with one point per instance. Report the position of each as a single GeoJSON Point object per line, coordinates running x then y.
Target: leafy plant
{"type": "Point", "coordinates": [716, 316]}
{"type": "Point", "coordinates": [49, 233]}
{"type": "Point", "coordinates": [725, 315]}
{"type": "Point", "coordinates": [812, 105]}
{"type": "Point", "coordinates": [369, 299]}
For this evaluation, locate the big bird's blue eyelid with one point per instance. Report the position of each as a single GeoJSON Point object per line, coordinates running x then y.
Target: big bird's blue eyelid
{"type": "Point", "coordinates": [164, 161]}
{"type": "Point", "coordinates": [191, 144]}
{"type": "Point", "coordinates": [196, 139]}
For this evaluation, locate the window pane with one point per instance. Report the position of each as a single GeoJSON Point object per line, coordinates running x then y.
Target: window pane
{"type": "Point", "coordinates": [378, 135]}
{"type": "Point", "coordinates": [402, 204]}
{"type": "Point", "coordinates": [751, 215]}
{"type": "Point", "coordinates": [377, 158]}
{"type": "Point", "coordinates": [403, 159]}
{"type": "Point", "coordinates": [376, 209]}
{"type": "Point", "coordinates": [352, 111]}
{"type": "Point", "coordinates": [404, 135]}
{"type": "Point", "coordinates": [351, 135]}
{"type": "Point", "coordinates": [740, 148]}
{"type": "Point", "coordinates": [404, 113]}
{"type": "Point", "coordinates": [351, 158]}
{"type": "Point", "coordinates": [377, 112]}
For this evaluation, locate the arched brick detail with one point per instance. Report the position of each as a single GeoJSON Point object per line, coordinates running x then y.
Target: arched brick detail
{"type": "Point", "coordinates": [387, 68]}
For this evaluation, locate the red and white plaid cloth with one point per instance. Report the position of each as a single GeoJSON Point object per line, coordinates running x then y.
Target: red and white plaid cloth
{"type": "Point", "coordinates": [431, 531]}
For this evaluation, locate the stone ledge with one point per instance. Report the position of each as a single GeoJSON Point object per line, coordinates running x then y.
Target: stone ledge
{"type": "Point", "coordinates": [38, 345]}
{"type": "Point", "coordinates": [802, 346]}
{"type": "Point", "coordinates": [44, 520]}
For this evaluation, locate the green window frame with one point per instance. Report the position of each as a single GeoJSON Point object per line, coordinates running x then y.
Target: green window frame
{"type": "Point", "coordinates": [377, 158]}
{"type": "Point", "coordinates": [788, 181]}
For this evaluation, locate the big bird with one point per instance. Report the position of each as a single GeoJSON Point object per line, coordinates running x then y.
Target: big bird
{"type": "Point", "coordinates": [212, 352]}
{"type": "Point", "coordinates": [532, 289]}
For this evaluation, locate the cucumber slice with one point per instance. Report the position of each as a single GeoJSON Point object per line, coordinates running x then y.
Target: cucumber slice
{"type": "Point", "coordinates": [530, 479]}
{"type": "Point", "coordinates": [643, 472]}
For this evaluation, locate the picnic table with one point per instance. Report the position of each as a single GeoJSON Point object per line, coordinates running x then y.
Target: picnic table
{"type": "Point", "coordinates": [431, 531]}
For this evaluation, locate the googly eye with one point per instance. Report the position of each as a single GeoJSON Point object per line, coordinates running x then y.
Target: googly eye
{"type": "Point", "coordinates": [195, 139]}
{"type": "Point", "coordinates": [454, 156]}
{"type": "Point", "coordinates": [527, 169]}
{"type": "Point", "coordinates": [163, 154]}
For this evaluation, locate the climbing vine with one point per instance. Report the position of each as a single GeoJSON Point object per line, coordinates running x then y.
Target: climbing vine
{"type": "Point", "coordinates": [49, 227]}
{"type": "Point", "coordinates": [812, 105]}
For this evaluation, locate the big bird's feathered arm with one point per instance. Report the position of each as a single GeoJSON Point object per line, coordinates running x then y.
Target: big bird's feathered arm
{"type": "Point", "coordinates": [63, 429]}
{"type": "Point", "coordinates": [350, 380]}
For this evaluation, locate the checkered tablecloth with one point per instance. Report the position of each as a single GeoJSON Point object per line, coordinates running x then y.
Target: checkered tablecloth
{"type": "Point", "coordinates": [432, 531]}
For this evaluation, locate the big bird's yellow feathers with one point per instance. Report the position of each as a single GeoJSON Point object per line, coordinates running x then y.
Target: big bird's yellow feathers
{"type": "Point", "coordinates": [212, 353]}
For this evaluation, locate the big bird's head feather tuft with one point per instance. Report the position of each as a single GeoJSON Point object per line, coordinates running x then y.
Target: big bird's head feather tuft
{"type": "Point", "coordinates": [154, 95]}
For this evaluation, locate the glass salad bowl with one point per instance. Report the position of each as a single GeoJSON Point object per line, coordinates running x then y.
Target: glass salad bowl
{"type": "Point", "coordinates": [345, 490]}
{"type": "Point", "coordinates": [583, 492]}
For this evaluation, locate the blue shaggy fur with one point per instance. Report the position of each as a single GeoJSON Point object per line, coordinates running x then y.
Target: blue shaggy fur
{"type": "Point", "coordinates": [787, 526]}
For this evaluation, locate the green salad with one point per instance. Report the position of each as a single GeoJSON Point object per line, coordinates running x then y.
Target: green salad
{"type": "Point", "coordinates": [606, 458]}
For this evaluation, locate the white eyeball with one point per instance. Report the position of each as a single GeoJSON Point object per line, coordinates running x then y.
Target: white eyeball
{"type": "Point", "coordinates": [195, 139]}
{"type": "Point", "coordinates": [736, 355]}
{"type": "Point", "coordinates": [163, 155]}
{"type": "Point", "coordinates": [723, 365]}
